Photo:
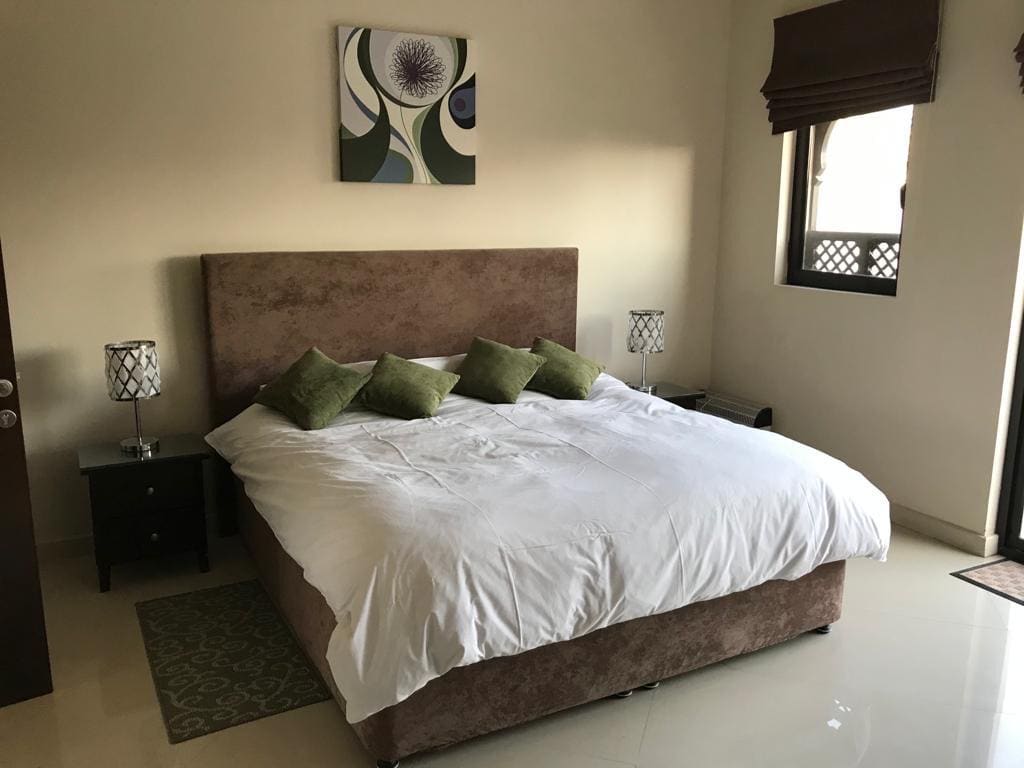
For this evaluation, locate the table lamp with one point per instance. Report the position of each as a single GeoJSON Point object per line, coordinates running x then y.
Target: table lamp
{"type": "Point", "coordinates": [133, 373]}
{"type": "Point", "coordinates": [646, 335]}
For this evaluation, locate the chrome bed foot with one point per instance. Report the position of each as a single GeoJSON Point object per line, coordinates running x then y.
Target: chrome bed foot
{"type": "Point", "coordinates": [627, 693]}
{"type": "Point", "coordinates": [387, 764]}
{"type": "Point", "coordinates": [823, 630]}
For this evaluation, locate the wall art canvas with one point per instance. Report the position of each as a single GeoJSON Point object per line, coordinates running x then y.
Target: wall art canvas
{"type": "Point", "coordinates": [408, 107]}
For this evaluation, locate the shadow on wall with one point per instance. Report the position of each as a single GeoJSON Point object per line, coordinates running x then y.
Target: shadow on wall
{"type": "Point", "coordinates": [186, 376]}
{"type": "Point", "coordinates": [57, 494]}
{"type": "Point", "coordinates": [596, 335]}
{"type": "Point", "coordinates": [55, 396]}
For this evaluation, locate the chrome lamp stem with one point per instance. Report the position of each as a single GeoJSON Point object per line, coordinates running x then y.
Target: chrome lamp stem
{"type": "Point", "coordinates": [138, 421]}
{"type": "Point", "coordinates": [139, 445]}
{"type": "Point", "coordinates": [650, 389]}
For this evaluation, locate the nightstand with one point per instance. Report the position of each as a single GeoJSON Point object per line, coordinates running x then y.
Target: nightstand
{"type": "Point", "coordinates": [146, 506]}
{"type": "Point", "coordinates": [684, 397]}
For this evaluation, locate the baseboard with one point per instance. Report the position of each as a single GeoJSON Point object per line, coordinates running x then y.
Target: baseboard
{"type": "Point", "coordinates": [81, 545]}
{"type": "Point", "coordinates": [969, 541]}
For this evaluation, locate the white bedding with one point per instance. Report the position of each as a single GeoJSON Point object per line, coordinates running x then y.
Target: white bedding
{"type": "Point", "coordinates": [489, 530]}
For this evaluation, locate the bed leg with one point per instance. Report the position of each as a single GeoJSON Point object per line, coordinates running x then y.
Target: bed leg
{"type": "Point", "coordinates": [622, 694]}
{"type": "Point", "coordinates": [387, 764]}
{"type": "Point", "coordinates": [823, 630]}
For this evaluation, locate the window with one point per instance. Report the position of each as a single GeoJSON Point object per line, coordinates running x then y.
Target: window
{"type": "Point", "coordinates": [846, 213]}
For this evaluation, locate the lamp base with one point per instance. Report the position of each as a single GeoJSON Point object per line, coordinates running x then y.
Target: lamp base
{"type": "Point", "coordinates": [648, 389]}
{"type": "Point", "coordinates": [139, 446]}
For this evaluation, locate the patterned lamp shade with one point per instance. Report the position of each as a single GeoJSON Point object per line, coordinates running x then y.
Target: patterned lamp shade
{"type": "Point", "coordinates": [133, 370]}
{"type": "Point", "coordinates": [646, 330]}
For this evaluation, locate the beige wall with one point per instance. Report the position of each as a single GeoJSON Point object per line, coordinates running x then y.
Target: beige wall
{"type": "Point", "coordinates": [136, 134]}
{"type": "Point", "coordinates": [907, 389]}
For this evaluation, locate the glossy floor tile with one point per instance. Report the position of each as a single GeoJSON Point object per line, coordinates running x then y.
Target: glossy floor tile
{"type": "Point", "coordinates": [922, 670]}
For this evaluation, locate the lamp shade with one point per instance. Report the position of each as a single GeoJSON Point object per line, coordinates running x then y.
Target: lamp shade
{"type": "Point", "coordinates": [646, 330]}
{"type": "Point", "coordinates": [133, 370]}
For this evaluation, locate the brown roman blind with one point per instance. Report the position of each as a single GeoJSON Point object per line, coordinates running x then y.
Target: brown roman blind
{"type": "Point", "coordinates": [1019, 53]}
{"type": "Point", "coordinates": [851, 57]}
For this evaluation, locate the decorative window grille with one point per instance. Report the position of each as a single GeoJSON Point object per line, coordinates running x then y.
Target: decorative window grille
{"type": "Point", "coordinates": [885, 258]}
{"type": "Point", "coordinates": [852, 253]}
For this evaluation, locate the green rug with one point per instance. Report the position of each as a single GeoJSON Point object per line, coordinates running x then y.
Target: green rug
{"type": "Point", "coordinates": [222, 657]}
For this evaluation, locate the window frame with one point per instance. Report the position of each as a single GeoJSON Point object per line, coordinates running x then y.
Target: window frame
{"type": "Point", "coordinates": [796, 274]}
{"type": "Point", "coordinates": [1010, 515]}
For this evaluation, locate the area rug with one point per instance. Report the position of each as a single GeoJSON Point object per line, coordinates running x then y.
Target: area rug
{"type": "Point", "coordinates": [1003, 577]}
{"type": "Point", "coordinates": [222, 657]}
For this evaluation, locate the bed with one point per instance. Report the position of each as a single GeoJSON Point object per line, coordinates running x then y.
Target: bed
{"type": "Point", "coordinates": [444, 596]}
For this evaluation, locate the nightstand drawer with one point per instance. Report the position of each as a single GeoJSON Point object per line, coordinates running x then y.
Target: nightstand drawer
{"type": "Point", "coordinates": [146, 488]}
{"type": "Point", "coordinates": [151, 533]}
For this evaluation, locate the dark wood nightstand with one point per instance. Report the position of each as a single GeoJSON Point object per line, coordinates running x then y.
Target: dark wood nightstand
{"type": "Point", "coordinates": [684, 397]}
{"type": "Point", "coordinates": [146, 507]}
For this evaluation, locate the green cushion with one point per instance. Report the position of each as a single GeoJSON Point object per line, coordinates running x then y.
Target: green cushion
{"type": "Point", "coordinates": [313, 390]}
{"type": "Point", "coordinates": [495, 372]}
{"type": "Point", "coordinates": [408, 390]}
{"type": "Point", "coordinates": [565, 374]}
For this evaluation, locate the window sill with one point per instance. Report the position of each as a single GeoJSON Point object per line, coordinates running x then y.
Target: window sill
{"type": "Point", "coordinates": [832, 291]}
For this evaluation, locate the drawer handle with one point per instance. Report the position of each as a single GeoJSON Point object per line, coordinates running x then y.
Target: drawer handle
{"type": "Point", "coordinates": [154, 537]}
{"type": "Point", "coordinates": [150, 490]}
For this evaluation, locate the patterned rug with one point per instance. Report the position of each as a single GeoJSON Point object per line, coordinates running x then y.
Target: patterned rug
{"type": "Point", "coordinates": [221, 657]}
{"type": "Point", "coordinates": [1003, 577]}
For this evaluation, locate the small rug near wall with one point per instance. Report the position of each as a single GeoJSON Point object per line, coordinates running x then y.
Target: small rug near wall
{"type": "Point", "coordinates": [222, 657]}
{"type": "Point", "coordinates": [1003, 577]}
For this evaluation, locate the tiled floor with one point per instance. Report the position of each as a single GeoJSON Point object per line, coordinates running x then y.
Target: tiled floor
{"type": "Point", "coordinates": [923, 670]}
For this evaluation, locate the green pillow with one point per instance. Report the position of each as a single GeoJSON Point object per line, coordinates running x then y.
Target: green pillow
{"type": "Point", "coordinates": [408, 390]}
{"type": "Point", "coordinates": [313, 390]}
{"type": "Point", "coordinates": [495, 372]}
{"type": "Point", "coordinates": [565, 374]}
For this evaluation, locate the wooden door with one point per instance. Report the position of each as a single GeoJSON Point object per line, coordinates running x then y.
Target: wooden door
{"type": "Point", "coordinates": [24, 659]}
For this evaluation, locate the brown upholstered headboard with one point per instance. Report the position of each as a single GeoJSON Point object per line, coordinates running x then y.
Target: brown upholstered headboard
{"type": "Point", "coordinates": [265, 309]}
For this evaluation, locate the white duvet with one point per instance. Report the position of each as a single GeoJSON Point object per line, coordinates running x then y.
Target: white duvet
{"type": "Point", "coordinates": [493, 529]}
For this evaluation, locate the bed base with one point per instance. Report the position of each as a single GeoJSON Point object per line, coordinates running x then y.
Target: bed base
{"type": "Point", "coordinates": [499, 693]}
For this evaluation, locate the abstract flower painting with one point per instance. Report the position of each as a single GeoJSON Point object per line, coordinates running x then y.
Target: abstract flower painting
{"type": "Point", "coordinates": [408, 107]}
